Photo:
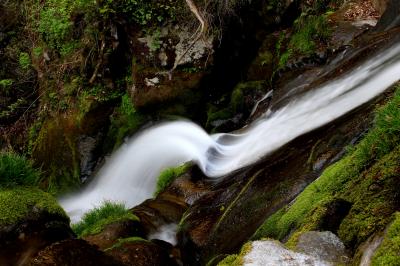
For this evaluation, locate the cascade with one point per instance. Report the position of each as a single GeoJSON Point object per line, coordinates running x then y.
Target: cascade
{"type": "Point", "coordinates": [130, 175]}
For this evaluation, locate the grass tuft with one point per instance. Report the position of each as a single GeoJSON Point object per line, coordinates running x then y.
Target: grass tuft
{"type": "Point", "coordinates": [16, 170]}
{"type": "Point", "coordinates": [94, 221]}
{"type": "Point", "coordinates": [168, 176]}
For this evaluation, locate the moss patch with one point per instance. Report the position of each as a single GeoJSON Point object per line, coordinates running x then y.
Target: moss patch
{"type": "Point", "coordinates": [94, 221]}
{"type": "Point", "coordinates": [236, 259]}
{"type": "Point", "coordinates": [389, 251]}
{"type": "Point", "coordinates": [17, 203]}
{"type": "Point", "coordinates": [366, 178]}
{"type": "Point", "coordinates": [125, 121]}
{"type": "Point", "coordinates": [237, 103]}
{"type": "Point", "coordinates": [169, 175]}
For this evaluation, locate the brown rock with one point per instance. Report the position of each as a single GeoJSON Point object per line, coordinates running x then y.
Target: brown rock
{"type": "Point", "coordinates": [73, 252]}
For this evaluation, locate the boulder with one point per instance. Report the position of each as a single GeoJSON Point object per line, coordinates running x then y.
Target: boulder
{"type": "Point", "coordinates": [324, 246]}
{"type": "Point", "coordinates": [140, 252]}
{"type": "Point", "coordinates": [271, 253]}
{"type": "Point", "coordinates": [30, 220]}
{"type": "Point", "coordinates": [73, 252]}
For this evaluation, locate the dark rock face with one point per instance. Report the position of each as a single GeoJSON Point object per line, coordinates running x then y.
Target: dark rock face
{"type": "Point", "coordinates": [114, 231]}
{"type": "Point", "coordinates": [391, 18]}
{"type": "Point", "coordinates": [19, 242]}
{"type": "Point", "coordinates": [73, 252]}
{"type": "Point", "coordinates": [142, 253]}
{"type": "Point", "coordinates": [222, 220]}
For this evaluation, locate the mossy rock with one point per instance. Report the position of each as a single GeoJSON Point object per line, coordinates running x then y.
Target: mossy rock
{"type": "Point", "coordinates": [18, 203]}
{"type": "Point", "coordinates": [388, 252]}
{"type": "Point", "coordinates": [30, 219]}
{"type": "Point", "coordinates": [366, 178]}
{"type": "Point", "coordinates": [241, 101]}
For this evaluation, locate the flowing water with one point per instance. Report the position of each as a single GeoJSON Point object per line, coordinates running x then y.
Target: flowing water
{"type": "Point", "coordinates": [130, 175]}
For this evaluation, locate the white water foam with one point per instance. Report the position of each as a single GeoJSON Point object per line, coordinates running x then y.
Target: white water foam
{"type": "Point", "coordinates": [130, 175]}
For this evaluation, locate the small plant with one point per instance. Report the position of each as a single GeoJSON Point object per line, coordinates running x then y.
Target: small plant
{"type": "Point", "coordinates": [168, 176]}
{"type": "Point", "coordinates": [24, 60]}
{"type": "Point", "coordinates": [94, 221]}
{"type": "Point", "coordinates": [309, 30]}
{"type": "Point", "coordinates": [16, 170]}
{"type": "Point", "coordinates": [5, 85]}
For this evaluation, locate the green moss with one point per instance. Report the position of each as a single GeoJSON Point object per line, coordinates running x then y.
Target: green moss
{"type": "Point", "coordinates": [236, 102]}
{"type": "Point", "coordinates": [374, 161]}
{"type": "Point", "coordinates": [389, 251]}
{"type": "Point", "coordinates": [16, 170]}
{"type": "Point", "coordinates": [237, 259]}
{"type": "Point", "coordinates": [142, 11]}
{"type": "Point", "coordinates": [125, 121]}
{"type": "Point", "coordinates": [17, 203]}
{"type": "Point", "coordinates": [309, 30]}
{"type": "Point", "coordinates": [24, 60]}
{"type": "Point", "coordinates": [167, 176]}
{"type": "Point", "coordinates": [94, 221]}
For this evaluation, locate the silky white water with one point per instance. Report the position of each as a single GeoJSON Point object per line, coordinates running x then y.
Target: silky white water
{"type": "Point", "coordinates": [130, 175]}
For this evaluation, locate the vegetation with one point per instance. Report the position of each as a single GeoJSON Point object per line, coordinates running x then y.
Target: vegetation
{"type": "Point", "coordinates": [371, 163]}
{"type": "Point", "coordinates": [389, 251]}
{"type": "Point", "coordinates": [18, 194]}
{"type": "Point", "coordinates": [309, 31]}
{"type": "Point", "coordinates": [236, 102]}
{"type": "Point", "coordinates": [236, 259]}
{"type": "Point", "coordinates": [94, 221]}
{"type": "Point", "coordinates": [16, 170]}
{"type": "Point", "coordinates": [125, 121]}
{"type": "Point", "coordinates": [167, 176]}
{"type": "Point", "coordinates": [18, 203]}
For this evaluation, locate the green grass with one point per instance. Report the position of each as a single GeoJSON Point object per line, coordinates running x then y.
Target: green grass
{"type": "Point", "coordinates": [16, 170]}
{"type": "Point", "coordinates": [374, 159]}
{"type": "Point", "coordinates": [94, 221]}
{"type": "Point", "coordinates": [17, 203]}
{"type": "Point", "coordinates": [167, 176]}
{"type": "Point", "coordinates": [389, 251]}
{"type": "Point", "coordinates": [309, 30]}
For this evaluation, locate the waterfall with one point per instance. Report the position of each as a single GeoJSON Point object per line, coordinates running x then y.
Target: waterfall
{"type": "Point", "coordinates": [130, 175]}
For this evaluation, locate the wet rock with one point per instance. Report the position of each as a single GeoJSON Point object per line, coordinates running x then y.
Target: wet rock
{"type": "Point", "coordinates": [141, 253]}
{"type": "Point", "coordinates": [271, 253]}
{"type": "Point", "coordinates": [73, 252]}
{"type": "Point", "coordinates": [242, 201]}
{"type": "Point", "coordinates": [325, 246]}
{"type": "Point", "coordinates": [114, 231]}
{"type": "Point", "coordinates": [368, 249]}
